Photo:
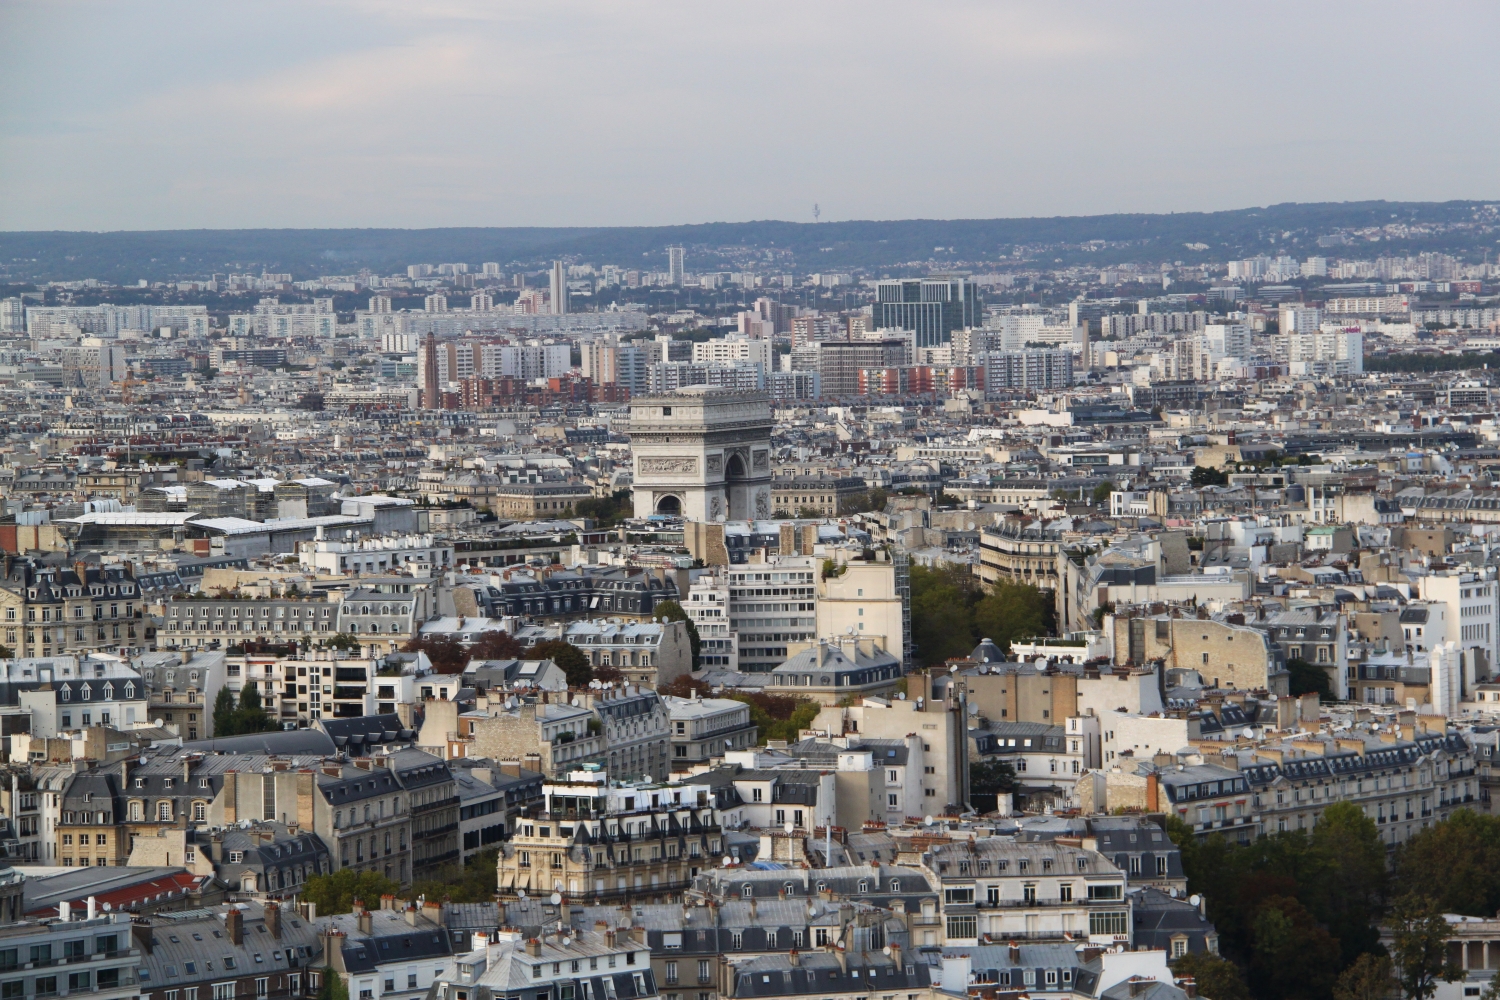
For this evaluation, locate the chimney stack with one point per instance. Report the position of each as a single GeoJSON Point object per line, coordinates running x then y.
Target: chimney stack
{"type": "Point", "coordinates": [273, 918]}
{"type": "Point", "coordinates": [234, 923]}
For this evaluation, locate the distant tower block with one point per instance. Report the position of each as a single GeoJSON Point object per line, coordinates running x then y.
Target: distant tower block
{"type": "Point", "coordinates": [674, 265]}
{"type": "Point", "coordinates": [702, 453]}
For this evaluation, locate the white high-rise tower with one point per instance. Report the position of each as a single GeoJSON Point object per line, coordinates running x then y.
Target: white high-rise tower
{"type": "Point", "coordinates": [559, 288]}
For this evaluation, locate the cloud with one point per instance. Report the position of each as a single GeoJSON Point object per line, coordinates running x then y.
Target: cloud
{"type": "Point", "coordinates": [169, 113]}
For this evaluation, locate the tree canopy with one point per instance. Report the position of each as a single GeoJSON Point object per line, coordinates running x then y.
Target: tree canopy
{"type": "Point", "coordinates": [249, 716]}
{"type": "Point", "coordinates": [950, 613]}
{"type": "Point", "coordinates": [337, 891]}
{"type": "Point", "coordinates": [570, 658]}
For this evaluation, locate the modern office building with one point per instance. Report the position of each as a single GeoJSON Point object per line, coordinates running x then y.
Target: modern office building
{"type": "Point", "coordinates": [932, 308]}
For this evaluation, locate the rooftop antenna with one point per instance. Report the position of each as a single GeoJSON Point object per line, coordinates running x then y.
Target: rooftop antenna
{"type": "Point", "coordinates": [816, 211]}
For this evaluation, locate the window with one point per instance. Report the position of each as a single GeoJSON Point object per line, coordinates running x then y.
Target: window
{"type": "Point", "coordinates": [1179, 947]}
{"type": "Point", "coordinates": [1112, 922]}
{"type": "Point", "coordinates": [962, 926]}
{"type": "Point", "coordinates": [224, 991]}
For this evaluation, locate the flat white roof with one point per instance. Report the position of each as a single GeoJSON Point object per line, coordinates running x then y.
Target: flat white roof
{"type": "Point", "coordinates": [130, 518]}
{"type": "Point", "coordinates": [241, 526]}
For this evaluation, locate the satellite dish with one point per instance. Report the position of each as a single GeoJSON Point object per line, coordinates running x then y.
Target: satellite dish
{"type": "Point", "coordinates": [567, 942]}
{"type": "Point", "coordinates": [521, 893]}
{"type": "Point", "coordinates": [886, 950]}
{"type": "Point", "coordinates": [973, 708]}
{"type": "Point", "coordinates": [1247, 732]}
{"type": "Point", "coordinates": [556, 898]}
{"type": "Point", "coordinates": [789, 827]}
{"type": "Point", "coordinates": [926, 820]}
{"type": "Point", "coordinates": [728, 861]}
{"type": "Point", "coordinates": [812, 911]}
{"type": "Point", "coordinates": [1195, 899]}
{"type": "Point", "coordinates": [575, 701]}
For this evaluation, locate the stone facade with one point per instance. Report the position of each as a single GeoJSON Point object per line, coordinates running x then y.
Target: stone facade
{"type": "Point", "coordinates": [702, 453]}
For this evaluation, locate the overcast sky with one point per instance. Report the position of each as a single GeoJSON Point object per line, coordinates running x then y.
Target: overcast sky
{"type": "Point", "coordinates": [155, 114]}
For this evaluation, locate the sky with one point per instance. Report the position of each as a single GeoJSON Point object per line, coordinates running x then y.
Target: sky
{"type": "Point", "coordinates": [178, 114]}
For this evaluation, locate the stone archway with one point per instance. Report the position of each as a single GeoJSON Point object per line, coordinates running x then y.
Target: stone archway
{"type": "Point", "coordinates": [669, 505]}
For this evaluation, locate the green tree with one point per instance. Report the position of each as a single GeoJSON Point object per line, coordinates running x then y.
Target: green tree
{"type": "Point", "coordinates": [1456, 863]}
{"type": "Point", "coordinates": [1368, 977]}
{"type": "Point", "coordinates": [568, 656]}
{"type": "Point", "coordinates": [672, 611]}
{"type": "Point", "coordinates": [1203, 475]}
{"type": "Point", "coordinates": [1214, 976]}
{"type": "Point", "coordinates": [607, 511]}
{"type": "Point", "coordinates": [471, 882]}
{"type": "Point", "coordinates": [333, 986]}
{"type": "Point", "coordinates": [342, 641]}
{"type": "Point", "coordinates": [987, 780]}
{"type": "Point", "coordinates": [1308, 677]}
{"type": "Point", "coordinates": [1011, 611]}
{"type": "Point", "coordinates": [1349, 878]}
{"type": "Point", "coordinates": [1419, 946]}
{"type": "Point", "coordinates": [337, 891]}
{"type": "Point", "coordinates": [778, 717]}
{"type": "Point", "coordinates": [249, 717]}
{"type": "Point", "coordinates": [6, 652]}
{"type": "Point", "coordinates": [224, 721]}
{"type": "Point", "coordinates": [1102, 492]}
{"type": "Point", "coordinates": [942, 616]}
{"type": "Point", "coordinates": [868, 501]}
{"type": "Point", "coordinates": [1294, 957]}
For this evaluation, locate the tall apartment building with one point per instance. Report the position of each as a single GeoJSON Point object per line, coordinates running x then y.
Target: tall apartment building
{"type": "Point", "coordinates": [707, 605]}
{"type": "Point", "coordinates": [728, 350]}
{"type": "Point", "coordinates": [813, 328]}
{"type": "Point", "coordinates": [1323, 352]}
{"type": "Point", "coordinates": [460, 359]}
{"type": "Point", "coordinates": [93, 365]}
{"type": "Point", "coordinates": [606, 363]}
{"type": "Point", "coordinates": [107, 320]}
{"type": "Point", "coordinates": [675, 265]}
{"type": "Point", "coordinates": [840, 362]}
{"type": "Point", "coordinates": [1471, 616]}
{"type": "Point", "coordinates": [772, 604]}
{"type": "Point", "coordinates": [930, 308]}
{"type": "Point", "coordinates": [1294, 317]}
{"type": "Point", "coordinates": [1227, 340]}
{"type": "Point", "coordinates": [1037, 369]}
